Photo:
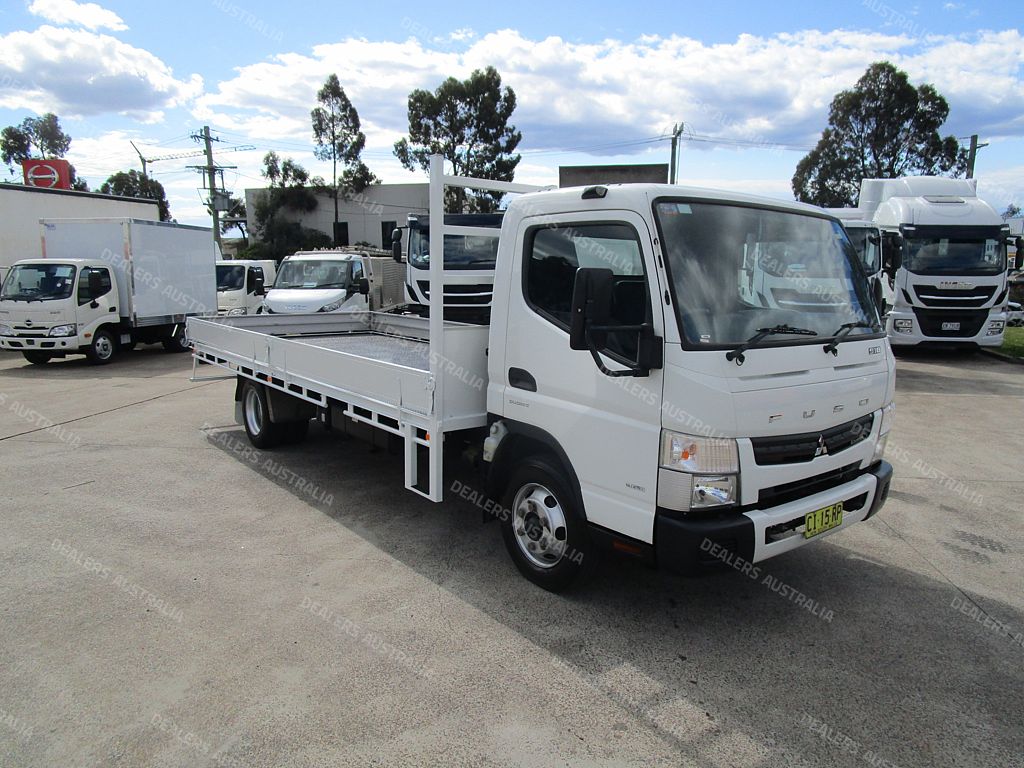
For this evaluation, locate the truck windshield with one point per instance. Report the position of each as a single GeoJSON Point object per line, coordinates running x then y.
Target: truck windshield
{"type": "Point", "coordinates": [230, 277]}
{"type": "Point", "coordinates": [39, 282]}
{"type": "Point", "coordinates": [737, 269]}
{"type": "Point", "coordinates": [865, 242]}
{"type": "Point", "coordinates": [460, 251]}
{"type": "Point", "coordinates": [949, 251]}
{"type": "Point", "coordinates": [314, 274]}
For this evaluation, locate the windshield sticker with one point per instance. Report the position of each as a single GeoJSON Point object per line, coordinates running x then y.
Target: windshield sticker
{"type": "Point", "coordinates": [673, 209]}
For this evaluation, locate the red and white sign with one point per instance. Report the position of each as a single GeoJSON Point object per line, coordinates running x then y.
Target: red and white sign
{"type": "Point", "coordinates": [48, 174]}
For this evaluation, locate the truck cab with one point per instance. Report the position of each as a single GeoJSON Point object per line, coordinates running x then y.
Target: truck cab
{"type": "Point", "coordinates": [866, 237]}
{"type": "Point", "coordinates": [317, 281]}
{"type": "Point", "coordinates": [950, 277]}
{"type": "Point", "coordinates": [241, 285]}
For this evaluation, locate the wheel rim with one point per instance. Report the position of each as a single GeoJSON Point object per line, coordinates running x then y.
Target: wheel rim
{"type": "Point", "coordinates": [253, 412]}
{"type": "Point", "coordinates": [104, 347]}
{"type": "Point", "coordinates": [538, 522]}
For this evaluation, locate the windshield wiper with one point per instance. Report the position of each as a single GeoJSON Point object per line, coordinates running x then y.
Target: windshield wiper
{"type": "Point", "coordinates": [843, 330]}
{"type": "Point", "coordinates": [740, 358]}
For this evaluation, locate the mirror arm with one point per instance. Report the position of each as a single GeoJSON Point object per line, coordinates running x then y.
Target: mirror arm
{"type": "Point", "coordinates": [594, 353]}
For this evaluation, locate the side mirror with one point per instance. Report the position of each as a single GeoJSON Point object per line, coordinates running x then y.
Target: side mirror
{"type": "Point", "coordinates": [591, 305]}
{"type": "Point", "coordinates": [892, 252]}
{"type": "Point", "coordinates": [258, 285]}
{"type": "Point", "coordinates": [396, 245]}
{"type": "Point", "coordinates": [364, 286]}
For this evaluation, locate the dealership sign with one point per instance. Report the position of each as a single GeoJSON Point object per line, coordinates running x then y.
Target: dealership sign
{"type": "Point", "coordinates": [48, 174]}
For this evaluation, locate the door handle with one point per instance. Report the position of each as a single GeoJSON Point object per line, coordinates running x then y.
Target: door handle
{"type": "Point", "coordinates": [521, 379]}
{"type": "Point", "coordinates": [112, 309]}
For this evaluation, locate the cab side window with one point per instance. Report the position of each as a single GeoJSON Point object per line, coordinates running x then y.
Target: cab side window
{"type": "Point", "coordinates": [554, 253]}
{"type": "Point", "coordinates": [83, 284]}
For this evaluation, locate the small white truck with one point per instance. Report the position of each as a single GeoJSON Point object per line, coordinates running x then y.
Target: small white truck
{"type": "Point", "coordinates": [241, 285]}
{"type": "Point", "coordinates": [866, 237]}
{"type": "Point", "coordinates": [949, 260]}
{"type": "Point", "coordinates": [104, 285]}
{"type": "Point", "coordinates": [327, 280]}
{"type": "Point", "coordinates": [625, 393]}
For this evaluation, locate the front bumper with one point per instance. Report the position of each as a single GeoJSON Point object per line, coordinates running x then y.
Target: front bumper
{"type": "Point", "coordinates": [683, 542]}
{"type": "Point", "coordinates": [918, 335]}
{"type": "Point", "coordinates": [39, 343]}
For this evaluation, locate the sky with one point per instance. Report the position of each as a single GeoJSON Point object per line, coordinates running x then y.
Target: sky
{"type": "Point", "coordinates": [596, 82]}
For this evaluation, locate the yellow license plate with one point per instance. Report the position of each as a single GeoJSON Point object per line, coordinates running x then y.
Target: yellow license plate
{"type": "Point", "coordinates": [822, 520]}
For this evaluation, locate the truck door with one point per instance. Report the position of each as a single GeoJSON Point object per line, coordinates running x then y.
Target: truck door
{"type": "Point", "coordinates": [609, 428]}
{"type": "Point", "coordinates": [97, 299]}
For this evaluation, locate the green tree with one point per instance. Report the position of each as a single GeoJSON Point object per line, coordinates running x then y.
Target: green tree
{"type": "Point", "coordinates": [40, 137]}
{"type": "Point", "coordinates": [134, 184]}
{"type": "Point", "coordinates": [1012, 211]}
{"type": "Point", "coordinates": [466, 121]}
{"type": "Point", "coordinates": [234, 217]}
{"type": "Point", "coordinates": [338, 137]}
{"type": "Point", "coordinates": [882, 128]}
{"type": "Point", "coordinates": [291, 191]}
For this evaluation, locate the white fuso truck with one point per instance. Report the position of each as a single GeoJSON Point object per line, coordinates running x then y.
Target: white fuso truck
{"type": "Point", "coordinates": [241, 285]}
{"type": "Point", "coordinates": [625, 393]}
{"type": "Point", "coordinates": [104, 285]}
{"type": "Point", "coordinates": [949, 260]}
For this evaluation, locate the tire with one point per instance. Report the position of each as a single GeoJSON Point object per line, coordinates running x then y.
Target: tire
{"type": "Point", "coordinates": [295, 431]}
{"type": "Point", "coordinates": [178, 342]}
{"type": "Point", "coordinates": [103, 348]}
{"type": "Point", "coordinates": [544, 533]}
{"type": "Point", "coordinates": [37, 358]}
{"type": "Point", "coordinates": [261, 431]}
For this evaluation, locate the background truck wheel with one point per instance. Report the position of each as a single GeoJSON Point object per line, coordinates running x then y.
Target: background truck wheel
{"type": "Point", "coordinates": [262, 432]}
{"type": "Point", "coordinates": [37, 358]}
{"type": "Point", "coordinates": [295, 431]}
{"type": "Point", "coordinates": [545, 534]}
{"type": "Point", "coordinates": [102, 349]}
{"type": "Point", "coordinates": [178, 342]}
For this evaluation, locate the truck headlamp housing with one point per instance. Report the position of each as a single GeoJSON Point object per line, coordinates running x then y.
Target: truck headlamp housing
{"type": "Point", "coordinates": [995, 328]}
{"type": "Point", "coordinates": [903, 326]}
{"type": "Point", "coordinates": [6, 330]}
{"type": "Point", "coordinates": [63, 330]}
{"type": "Point", "coordinates": [711, 455]}
{"type": "Point", "coordinates": [237, 311]}
{"type": "Point", "coordinates": [334, 305]}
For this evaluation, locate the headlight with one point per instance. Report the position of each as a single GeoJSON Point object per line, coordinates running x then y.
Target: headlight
{"type": "Point", "coordinates": [697, 472]}
{"type": "Point", "coordinates": [686, 453]}
{"type": "Point", "coordinates": [6, 330]}
{"type": "Point", "coordinates": [333, 305]}
{"type": "Point", "coordinates": [903, 326]}
{"type": "Point", "coordinates": [237, 311]}
{"type": "Point", "coordinates": [995, 327]}
{"type": "Point", "coordinates": [63, 330]}
{"type": "Point", "coordinates": [888, 417]}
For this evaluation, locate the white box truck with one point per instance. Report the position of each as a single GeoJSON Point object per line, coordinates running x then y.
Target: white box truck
{"type": "Point", "coordinates": [241, 285]}
{"type": "Point", "coordinates": [624, 393]}
{"type": "Point", "coordinates": [949, 251]}
{"type": "Point", "coordinates": [105, 285]}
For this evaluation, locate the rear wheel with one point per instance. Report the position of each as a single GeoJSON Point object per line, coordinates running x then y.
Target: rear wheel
{"type": "Point", "coordinates": [262, 432]}
{"type": "Point", "coordinates": [544, 533]}
{"type": "Point", "coordinates": [37, 358]}
{"type": "Point", "coordinates": [178, 342]}
{"type": "Point", "coordinates": [102, 349]}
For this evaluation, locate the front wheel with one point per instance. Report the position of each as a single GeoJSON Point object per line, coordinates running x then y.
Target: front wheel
{"type": "Point", "coordinates": [544, 533]}
{"type": "Point", "coordinates": [178, 342]}
{"type": "Point", "coordinates": [102, 349]}
{"type": "Point", "coordinates": [37, 358]}
{"type": "Point", "coordinates": [262, 432]}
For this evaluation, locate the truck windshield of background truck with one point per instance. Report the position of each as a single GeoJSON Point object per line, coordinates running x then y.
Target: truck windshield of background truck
{"type": "Point", "coordinates": [315, 274]}
{"type": "Point", "coordinates": [460, 252]}
{"type": "Point", "coordinates": [38, 282]}
{"type": "Point", "coordinates": [867, 248]}
{"type": "Point", "coordinates": [718, 255]}
{"type": "Point", "coordinates": [230, 277]}
{"type": "Point", "coordinates": [944, 251]}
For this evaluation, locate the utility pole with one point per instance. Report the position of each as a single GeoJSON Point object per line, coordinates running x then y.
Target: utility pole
{"type": "Point", "coordinates": [211, 173]}
{"type": "Point", "coordinates": [972, 155]}
{"type": "Point", "coordinates": [677, 131]}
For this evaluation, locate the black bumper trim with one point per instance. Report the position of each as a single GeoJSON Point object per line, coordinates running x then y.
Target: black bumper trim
{"type": "Point", "coordinates": [883, 474]}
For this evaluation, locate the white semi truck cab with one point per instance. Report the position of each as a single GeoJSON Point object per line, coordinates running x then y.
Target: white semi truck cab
{"type": "Point", "coordinates": [105, 285]}
{"type": "Point", "coordinates": [626, 393]}
{"type": "Point", "coordinates": [949, 276]}
{"type": "Point", "coordinates": [241, 285]}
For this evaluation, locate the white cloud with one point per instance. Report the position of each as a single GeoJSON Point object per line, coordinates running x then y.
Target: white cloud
{"type": "Point", "coordinates": [88, 15]}
{"type": "Point", "coordinates": [74, 72]}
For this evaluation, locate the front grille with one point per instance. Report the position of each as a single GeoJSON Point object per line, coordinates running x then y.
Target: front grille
{"type": "Point", "coordinates": [776, 495]}
{"type": "Point", "coordinates": [931, 321]}
{"type": "Point", "coordinates": [461, 294]}
{"type": "Point", "coordinates": [797, 449]}
{"type": "Point", "coordinates": [933, 296]}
